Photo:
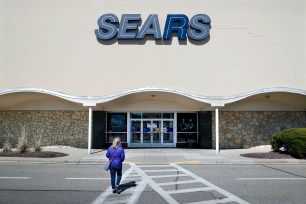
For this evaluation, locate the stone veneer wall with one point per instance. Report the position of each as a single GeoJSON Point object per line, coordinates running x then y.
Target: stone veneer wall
{"type": "Point", "coordinates": [59, 127]}
{"type": "Point", "coordinates": [246, 129]}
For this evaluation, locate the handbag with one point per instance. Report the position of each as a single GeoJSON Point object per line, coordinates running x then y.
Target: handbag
{"type": "Point", "coordinates": [107, 165]}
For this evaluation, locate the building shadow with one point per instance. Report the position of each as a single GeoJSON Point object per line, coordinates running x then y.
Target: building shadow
{"type": "Point", "coordinates": [123, 187]}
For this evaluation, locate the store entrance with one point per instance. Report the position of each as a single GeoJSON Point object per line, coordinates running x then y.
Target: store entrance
{"type": "Point", "coordinates": [153, 132]}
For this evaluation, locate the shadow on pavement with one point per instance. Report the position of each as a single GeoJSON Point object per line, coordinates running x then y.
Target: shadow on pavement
{"type": "Point", "coordinates": [126, 186]}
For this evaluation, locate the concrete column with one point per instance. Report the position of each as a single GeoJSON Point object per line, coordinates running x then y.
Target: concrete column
{"type": "Point", "coordinates": [217, 130]}
{"type": "Point", "coordinates": [90, 130]}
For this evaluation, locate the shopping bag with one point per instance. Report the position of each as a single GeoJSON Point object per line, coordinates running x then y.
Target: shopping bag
{"type": "Point", "coordinates": [106, 166]}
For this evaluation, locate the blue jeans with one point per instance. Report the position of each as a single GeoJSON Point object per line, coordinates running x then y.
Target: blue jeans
{"type": "Point", "coordinates": [113, 171]}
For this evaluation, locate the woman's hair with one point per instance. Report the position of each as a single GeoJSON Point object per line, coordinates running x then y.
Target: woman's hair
{"type": "Point", "coordinates": [116, 142]}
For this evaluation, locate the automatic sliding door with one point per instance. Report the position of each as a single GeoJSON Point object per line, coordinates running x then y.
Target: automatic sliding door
{"type": "Point", "coordinates": [152, 132]}
{"type": "Point", "coordinates": [136, 131]}
{"type": "Point", "coordinates": [156, 131]}
{"type": "Point", "coordinates": [146, 131]}
{"type": "Point", "coordinates": [168, 132]}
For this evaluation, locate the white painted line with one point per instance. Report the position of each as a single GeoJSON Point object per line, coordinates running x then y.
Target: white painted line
{"type": "Point", "coordinates": [154, 185]}
{"type": "Point", "coordinates": [87, 178]}
{"type": "Point", "coordinates": [216, 188]}
{"type": "Point", "coordinates": [224, 200]}
{"type": "Point", "coordinates": [117, 200]}
{"type": "Point", "coordinates": [100, 199]}
{"type": "Point", "coordinates": [164, 170]}
{"type": "Point", "coordinates": [271, 179]}
{"type": "Point", "coordinates": [137, 192]}
{"type": "Point", "coordinates": [15, 177]}
{"type": "Point", "coordinates": [189, 190]}
{"type": "Point", "coordinates": [133, 173]}
{"type": "Point", "coordinates": [178, 182]}
{"type": "Point", "coordinates": [149, 166]}
{"type": "Point", "coordinates": [166, 176]}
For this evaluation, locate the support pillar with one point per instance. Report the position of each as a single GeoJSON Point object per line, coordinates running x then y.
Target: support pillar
{"type": "Point", "coordinates": [217, 129]}
{"type": "Point", "coordinates": [90, 130]}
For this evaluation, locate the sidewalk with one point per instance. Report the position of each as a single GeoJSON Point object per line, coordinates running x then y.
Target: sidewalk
{"type": "Point", "coordinates": [156, 156]}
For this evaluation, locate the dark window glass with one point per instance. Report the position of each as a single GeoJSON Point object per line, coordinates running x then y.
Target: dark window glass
{"type": "Point", "coordinates": [111, 136]}
{"type": "Point", "coordinates": [187, 122]}
{"type": "Point", "coordinates": [116, 122]}
{"type": "Point", "coordinates": [187, 127]}
{"type": "Point", "coordinates": [136, 115]}
{"type": "Point", "coordinates": [168, 115]}
{"type": "Point", "coordinates": [185, 137]}
{"type": "Point", "coordinates": [151, 115]}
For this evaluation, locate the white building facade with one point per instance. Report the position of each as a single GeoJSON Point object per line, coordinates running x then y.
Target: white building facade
{"type": "Point", "coordinates": [233, 89]}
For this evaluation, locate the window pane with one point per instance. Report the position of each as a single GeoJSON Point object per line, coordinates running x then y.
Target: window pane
{"type": "Point", "coordinates": [156, 138]}
{"type": "Point", "coordinates": [111, 136]}
{"type": "Point", "coordinates": [185, 137]}
{"type": "Point", "coordinates": [181, 137]}
{"type": "Point", "coordinates": [135, 138]}
{"type": "Point", "coordinates": [146, 137]}
{"type": "Point", "coordinates": [168, 115]}
{"type": "Point", "coordinates": [167, 126]}
{"type": "Point", "coordinates": [168, 131]}
{"type": "Point", "coordinates": [151, 115]}
{"type": "Point", "coordinates": [135, 126]}
{"type": "Point", "coordinates": [136, 115]}
{"type": "Point", "coordinates": [116, 122]}
{"type": "Point", "coordinates": [168, 137]}
{"type": "Point", "coordinates": [186, 122]}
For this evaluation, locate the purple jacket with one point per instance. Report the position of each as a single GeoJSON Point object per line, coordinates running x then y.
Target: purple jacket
{"type": "Point", "coordinates": [119, 157]}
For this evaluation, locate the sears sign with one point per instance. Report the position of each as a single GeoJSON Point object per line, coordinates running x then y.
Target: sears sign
{"type": "Point", "coordinates": [197, 28]}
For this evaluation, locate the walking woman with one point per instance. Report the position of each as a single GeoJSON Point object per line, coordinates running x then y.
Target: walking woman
{"type": "Point", "coordinates": [116, 153]}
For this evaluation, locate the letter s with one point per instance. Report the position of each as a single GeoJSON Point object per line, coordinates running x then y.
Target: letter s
{"type": "Point", "coordinates": [199, 30]}
{"type": "Point", "coordinates": [104, 25]}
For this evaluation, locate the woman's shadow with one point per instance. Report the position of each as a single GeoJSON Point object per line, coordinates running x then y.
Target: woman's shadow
{"type": "Point", "coordinates": [126, 186]}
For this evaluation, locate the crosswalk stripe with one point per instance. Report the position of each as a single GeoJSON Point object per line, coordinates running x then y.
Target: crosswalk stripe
{"type": "Point", "coordinates": [161, 170]}
{"type": "Point", "coordinates": [12, 177]}
{"type": "Point", "coordinates": [178, 182]}
{"type": "Point", "coordinates": [224, 200]}
{"type": "Point", "coordinates": [156, 187]}
{"type": "Point", "coordinates": [132, 195]}
{"type": "Point", "coordinates": [108, 191]}
{"type": "Point", "coordinates": [157, 165]}
{"type": "Point", "coordinates": [220, 190]}
{"type": "Point", "coordinates": [170, 175]}
{"type": "Point", "coordinates": [190, 190]}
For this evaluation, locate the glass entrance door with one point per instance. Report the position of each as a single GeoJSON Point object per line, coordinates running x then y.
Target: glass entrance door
{"type": "Point", "coordinates": [167, 132]}
{"type": "Point", "coordinates": [151, 132]}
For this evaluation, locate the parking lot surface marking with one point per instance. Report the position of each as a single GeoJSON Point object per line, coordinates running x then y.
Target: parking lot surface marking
{"type": "Point", "coordinates": [172, 182]}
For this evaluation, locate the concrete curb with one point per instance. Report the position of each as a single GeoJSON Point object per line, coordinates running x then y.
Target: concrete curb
{"type": "Point", "coordinates": [155, 156]}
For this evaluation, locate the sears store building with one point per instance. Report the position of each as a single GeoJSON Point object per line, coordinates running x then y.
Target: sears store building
{"type": "Point", "coordinates": [174, 73]}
